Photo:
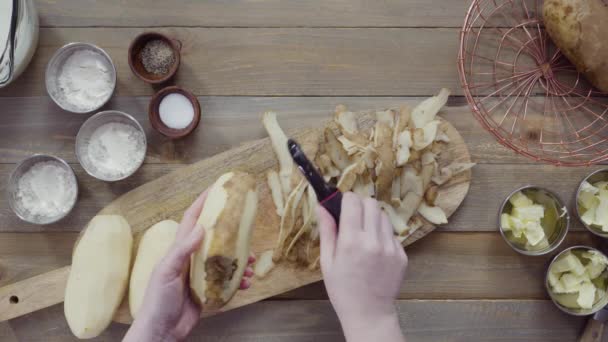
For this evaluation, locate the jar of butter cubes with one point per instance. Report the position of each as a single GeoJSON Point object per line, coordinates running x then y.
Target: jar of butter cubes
{"type": "Point", "coordinates": [592, 202]}
{"type": "Point", "coordinates": [533, 220]}
{"type": "Point", "coordinates": [577, 279]}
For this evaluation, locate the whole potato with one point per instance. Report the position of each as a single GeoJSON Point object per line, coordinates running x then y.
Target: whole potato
{"type": "Point", "coordinates": [580, 29]}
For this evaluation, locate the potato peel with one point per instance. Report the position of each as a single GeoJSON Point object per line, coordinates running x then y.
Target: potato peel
{"type": "Point", "coordinates": [435, 215]}
{"type": "Point", "coordinates": [425, 136]}
{"type": "Point", "coordinates": [264, 264]}
{"type": "Point", "coordinates": [450, 171]}
{"type": "Point", "coordinates": [349, 176]}
{"type": "Point", "coordinates": [289, 219]}
{"type": "Point", "coordinates": [399, 225]}
{"type": "Point", "coordinates": [279, 143]}
{"type": "Point", "coordinates": [385, 163]}
{"type": "Point", "coordinates": [335, 151]}
{"type": "Point", "coordinates": [276, 191]}
{"type": "Point", "coordinates": [426, 111]}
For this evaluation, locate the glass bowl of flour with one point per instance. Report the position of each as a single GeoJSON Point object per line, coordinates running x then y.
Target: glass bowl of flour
{"type": "Point", "coordinates": [111, 145]}
{"type": "Point", "coordinates": [42, 189]}
{"type": "Point", "coordinates": [80, 78]}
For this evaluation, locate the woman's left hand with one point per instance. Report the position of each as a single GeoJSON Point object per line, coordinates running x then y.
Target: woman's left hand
{"type": "Point", "coordinates": [168, 312]}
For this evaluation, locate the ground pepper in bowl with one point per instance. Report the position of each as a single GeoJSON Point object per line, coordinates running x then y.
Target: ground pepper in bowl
{"type": "Point", "coordinates": [157, 57]}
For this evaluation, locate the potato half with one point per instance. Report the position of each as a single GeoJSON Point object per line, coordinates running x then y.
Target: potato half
{"type": "Point", "coordinates": [154, 245]}
{"type": "Point", "coordinates": [228, 218]}
{"type": "Point", "coordinates": [99, 275]}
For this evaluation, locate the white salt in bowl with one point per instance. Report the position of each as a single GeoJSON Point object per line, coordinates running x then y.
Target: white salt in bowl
{"type": "Point", "coordinates": [13, 184]}
{"type": "Point", "coordinates": [85, 133]}
{"type": "Point", "coordinates": [55, 65]}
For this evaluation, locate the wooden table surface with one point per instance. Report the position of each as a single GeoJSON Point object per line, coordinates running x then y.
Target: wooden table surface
{"type": "Point", "coordinates": [299, 58]}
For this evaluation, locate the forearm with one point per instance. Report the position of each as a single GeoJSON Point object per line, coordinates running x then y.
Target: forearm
{"type": "Point", "coordinates": [379, 328]}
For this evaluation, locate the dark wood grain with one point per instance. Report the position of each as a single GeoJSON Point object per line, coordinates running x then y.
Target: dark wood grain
{"type": "Point", "coordinates": [273, 62]}
{"type": "Point", "coordinates": [273, 321]}
{"type": "Point", "coordinates": [243, 13]}
{"type": "Point", "coordinates": [6, 333]}
{"type": "Point", "coordinates": [443, 265]}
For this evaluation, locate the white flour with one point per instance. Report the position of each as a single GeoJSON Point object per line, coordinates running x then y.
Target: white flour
{"type": "Point", "coordinates": [116, 149]}
{"type": "Point", "coordinates": [85, 80]}
{"type": "Point", "coordinates": [46, 190]}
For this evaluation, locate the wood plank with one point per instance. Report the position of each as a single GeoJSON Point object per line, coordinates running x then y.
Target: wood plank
{"type": "Point", "coordinates": [508, 320]}
{"type": "Point", "coordinates": [490, 182]}
{"type": "Point", "coordinates": [264, 13]}
{"type": "Point", "coordinates": [272, 62]}
{"type": "Point", "coordinates": [37, 125]}
{"type": "Point", "coordinates": [443, 265]}
{"type": "Point", "coordinates": [6, 333]}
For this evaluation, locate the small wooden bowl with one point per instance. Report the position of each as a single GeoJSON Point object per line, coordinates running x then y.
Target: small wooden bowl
{"type": "Point", "coordinates": [157, 123]}
{"type": "Point", "coordinates": [135, 60]}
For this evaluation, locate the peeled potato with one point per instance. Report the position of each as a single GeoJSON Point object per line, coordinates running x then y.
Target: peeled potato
{"type": "Point", "coordinates": [154, 245]}
{"type": "Point", "coordinates": [579, 29]}
{"type": "Point", "coordinates": [99, 275]}
{"type": "Point", "coordinates": [228, 218]}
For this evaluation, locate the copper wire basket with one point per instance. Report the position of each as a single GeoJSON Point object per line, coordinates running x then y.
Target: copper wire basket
{"type": "Point", "coordinates": [524, 91]}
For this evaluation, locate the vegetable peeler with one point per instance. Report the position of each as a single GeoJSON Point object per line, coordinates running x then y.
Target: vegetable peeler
{"type": "Point", "coordinates": [329, 196]}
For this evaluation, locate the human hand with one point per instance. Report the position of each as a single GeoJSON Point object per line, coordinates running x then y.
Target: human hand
{"type": "Point", "coordinates": [363, 266]}
{"type": "Point", "coordinates": [168, 312]}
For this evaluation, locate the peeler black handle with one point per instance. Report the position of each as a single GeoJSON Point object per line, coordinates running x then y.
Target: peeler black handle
{"type": "Point", "coordinates": [329, 196]}
{"type": "Point", "coordinates": [333, 204]}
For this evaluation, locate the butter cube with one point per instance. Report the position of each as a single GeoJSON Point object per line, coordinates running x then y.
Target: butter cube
{"type": "Point", "coordinates": [589, 216]}
{"type": "Point", "coordinates": [587, 187]}
{"type": "Point", "coordinates": [520, 200]}
{"type": "Point", "coordinates": [572, 282]}
{"type": "Point", "coordinates": [534, 233]}
{"type": "Point", "coordinates": [595, 270]}
{"type": "Point", "coordinates": [601, 185]}
{"type": "Point", "coordinates": [586, 296]}
{"type": "Point", "coordinates": [601, 213]}
{"type": "Point", "coordinates": [544, 243]}
{"type": "Point", "coordinates": [553, 279]}
{"type": "Point", "coordinates": [533, 212]}
{"type": "Point", "coordinates": [517, 226]}
{"type": "Point", "coordinates": [588, 200]}
{"type": "Point", "coordinates": [568, 262]}
{"type": "Point", "coordinates": [505, 221]}
{"type": "Point", "coordinates": [595, 257]}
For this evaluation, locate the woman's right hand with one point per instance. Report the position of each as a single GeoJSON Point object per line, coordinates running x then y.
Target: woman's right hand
{"type": "Point", "coordinates": [363, 267]}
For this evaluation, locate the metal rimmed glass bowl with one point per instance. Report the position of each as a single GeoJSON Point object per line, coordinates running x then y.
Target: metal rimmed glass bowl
{"type": "Point", "coordinates": [55, 65]}
{"type": "Point", "coordinates": [594, 177]}
{"type": "Point", "coordinates": [600, 304]}
{"type": "Point", "coordinates": [524, 91]}
{"type": "Point", "coordinates": [83, 139]}
{"type": "Point", "coordinates": [13, 188]}
{"type": "Point", "coordinates": [546, 198]}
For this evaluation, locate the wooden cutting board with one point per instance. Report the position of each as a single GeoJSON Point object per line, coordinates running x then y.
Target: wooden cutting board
{"type": "Point", "coordinates": [169, 196]}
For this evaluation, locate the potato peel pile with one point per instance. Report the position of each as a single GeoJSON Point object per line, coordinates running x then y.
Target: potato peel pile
{"type": "Point", "coordinates": [395, 161]}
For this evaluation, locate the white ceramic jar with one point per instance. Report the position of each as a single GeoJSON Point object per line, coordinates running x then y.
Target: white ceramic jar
{"type": "Point", "coordinates": [18, 37]}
